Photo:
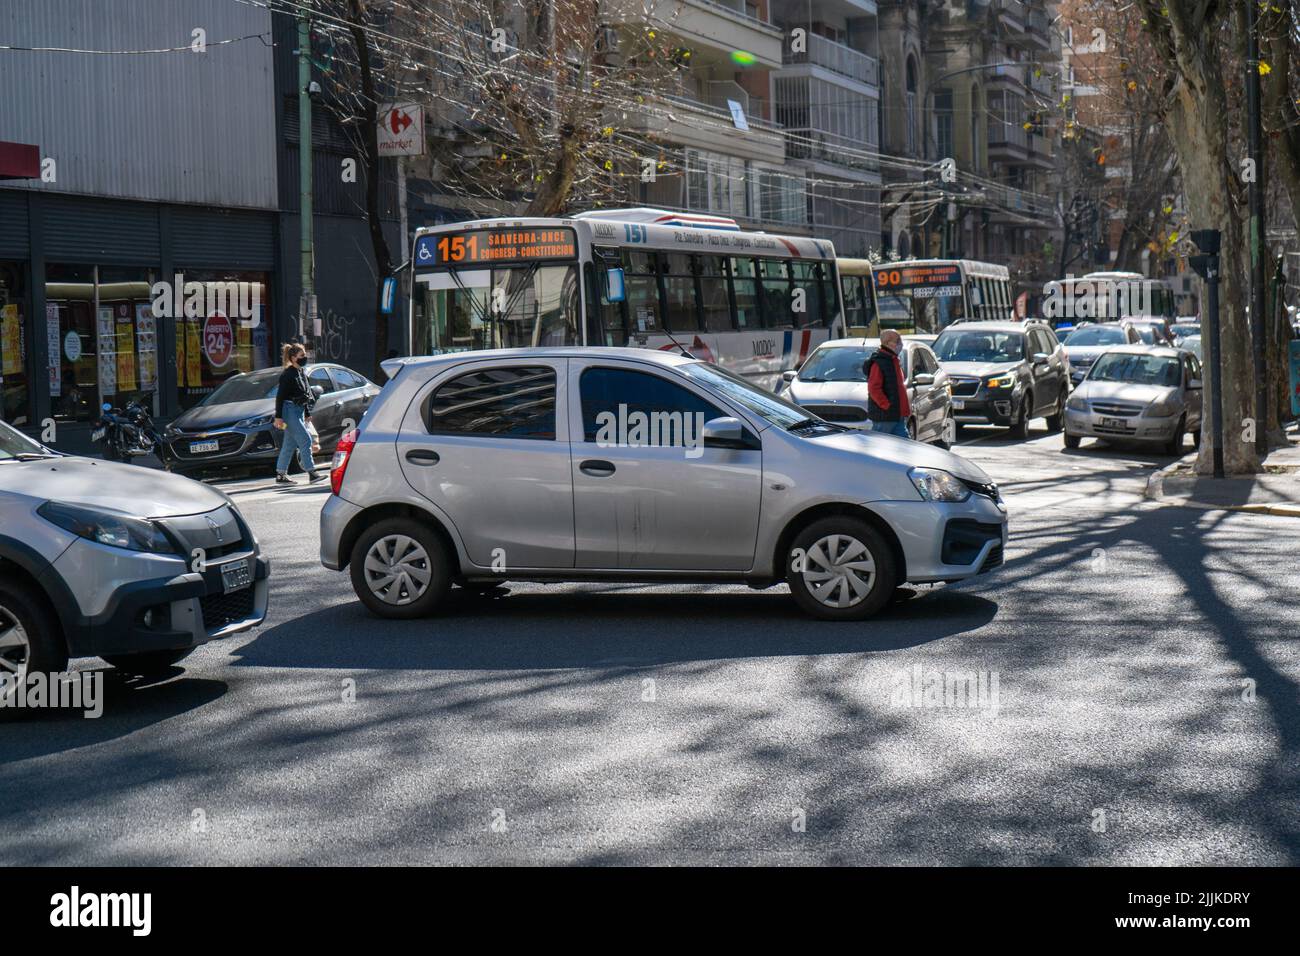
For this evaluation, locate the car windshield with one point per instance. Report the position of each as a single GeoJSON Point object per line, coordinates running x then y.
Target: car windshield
{"type": "Point", "coordinates": [244, 388]}
{"type": "Point", "coordinates": [1193, 344]}
{"type": "Point", "coordinates": [778, 411]}
{"type": "Point", "coordinates": [14, 444]}
{"type": "Point", "coordinates": [978, 345]}
{"type": "Point", "coordinates": [1136, 369]}
{"type": "Point", "coordinates": [841, 363]}
{"type": "Point", "coordinates": [1095, 335]}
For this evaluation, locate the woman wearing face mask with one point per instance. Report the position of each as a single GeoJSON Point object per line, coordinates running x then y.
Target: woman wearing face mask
{"type": "Point", "coordinates": [293, 402]}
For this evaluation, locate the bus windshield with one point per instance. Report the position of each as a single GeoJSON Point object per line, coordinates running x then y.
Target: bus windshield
{"type": "Point", "coordinates": [520, 305]}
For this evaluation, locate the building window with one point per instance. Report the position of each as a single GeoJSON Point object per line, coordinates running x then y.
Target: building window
{"type": "Point", "coordinates": [943, 123]}
{"type": "Point", "coordinates": [15, 389]}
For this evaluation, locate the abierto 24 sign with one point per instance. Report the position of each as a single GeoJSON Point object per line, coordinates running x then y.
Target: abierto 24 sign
{"type": "Point", "coordinates": [401, 130]}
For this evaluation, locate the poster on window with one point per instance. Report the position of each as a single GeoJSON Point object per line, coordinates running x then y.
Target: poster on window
{"type": "Point", "coordinates": [193, 354]}
{"type": "Point", "coordinates": [125, 349]}
{"type": "Point", "coordinates": [146, 343]}
{"type": "Point", "coordinates": [107, 351]}
{"type": "Point", "coordinates": [11, 355]}
{"type": "Point", "coordinates": [52, 343]}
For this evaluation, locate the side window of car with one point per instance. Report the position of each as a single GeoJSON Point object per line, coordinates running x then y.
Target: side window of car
{"type": "Point", "coordinates": [612, 396]}
{"type": "Point", "coordinates": [516, 401]}
{"type": "Point", "coordinates": [345, 378]}
{"type": "Point", "coordinates": [321, 377]}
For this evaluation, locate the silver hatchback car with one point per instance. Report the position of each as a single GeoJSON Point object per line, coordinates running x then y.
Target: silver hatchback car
{"type": "Point", "coordinates": [610, 464]}
{"type": "Point", "coordinates": [1139, 393]}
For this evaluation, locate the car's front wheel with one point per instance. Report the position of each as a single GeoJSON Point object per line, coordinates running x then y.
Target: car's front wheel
{"type": "Point", "coordinates": [841, 569]}
{"type": "Point", "coordinates": [30, 638]}
{"type": "Point", "coordinates": [1175, 444]}
{"type": "Point", "coordinates": [1020, 427]}
{"type": "Point", "coordinates": [148, 663]}
{"type": "Point", "coordinates": [1072, 441]}
{"type": "Point", "coordinates": [400, 569]}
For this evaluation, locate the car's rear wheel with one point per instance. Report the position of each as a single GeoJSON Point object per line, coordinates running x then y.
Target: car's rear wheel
{"type": "Point", "coordinates": [1020, 427]}
{"type": "Point", "coordinates": [31, 640]}
{"type": "Point", "coordinates": [841, 569]}
{"type": "Point", "coordinates": [148, 663]}
{"type": "Point", "coordinates": [400, 569]}
{"type": "Point", "coordinates": [1056, 420]}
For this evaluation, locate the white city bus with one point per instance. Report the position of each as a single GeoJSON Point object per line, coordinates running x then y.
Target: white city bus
{"type": "Point", "coordinates": [1103, 296]}
{"type": "Point", "coordinates": [752, 302]}
{"type": "Point", "coordinates": [927, 295]}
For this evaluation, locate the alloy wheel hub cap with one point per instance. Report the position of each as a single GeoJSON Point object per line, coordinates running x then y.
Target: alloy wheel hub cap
{"type": "Point", "coordinates": [15, 647]}
{"type": "Point", "coordinates": [839, 570]}
{"type": "Point", "coordinates": [397, 569]}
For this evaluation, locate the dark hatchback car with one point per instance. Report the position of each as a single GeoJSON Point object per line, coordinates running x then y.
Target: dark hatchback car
{"type": "Point", "coordinates": [1005, 373]}
{"type": "Point", "coordinates": [234, 426]}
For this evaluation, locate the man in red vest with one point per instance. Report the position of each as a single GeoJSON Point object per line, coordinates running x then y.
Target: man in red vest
{"type": "Point", "coordinates": [887, 407]}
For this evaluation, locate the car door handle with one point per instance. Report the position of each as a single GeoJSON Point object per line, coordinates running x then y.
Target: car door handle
{"type": "Point", "coordinates": [597, 468]}
{"type": "Point", "coordinates": [422, 456]}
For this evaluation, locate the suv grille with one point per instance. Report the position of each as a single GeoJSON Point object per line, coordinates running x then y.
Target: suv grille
{"type": "Point", "coordinates": [965, 387]}
{"type": "Point", "coordinates": [989, 490]}
{"type": "Point", "coordinates": [222, 609]}
{"type": "Point", "coordinates": [838, 413]}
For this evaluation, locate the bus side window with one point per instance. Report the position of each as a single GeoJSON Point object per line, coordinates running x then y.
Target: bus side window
{"type": "Point", "coordinates": [744, 287]}
{"type": "Point", "coordinates": [855, 311]}
{"type": "Point", "coordinates": [806, 291]}
{"type": "Point", "coordinates": [681, 312]}
{"type": "Point", "coordinates": [642, 290]}
{"type": "Point", "coordinates": [777, 294]}
{"type": "Point", "coordinates": [715, 297]}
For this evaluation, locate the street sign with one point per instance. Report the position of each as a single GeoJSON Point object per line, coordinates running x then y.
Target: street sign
{"type": "Point", "coordinates": [401, 130]}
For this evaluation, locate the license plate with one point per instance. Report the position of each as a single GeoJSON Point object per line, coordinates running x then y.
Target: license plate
{"type": "Point", "coordinates": [97, 435]}
{"type": "Point", "coordinates": [203, 447]}
{"type": "Point", "coordinates": [1113, 423]}
{"type": "Point", "coordinates": [236, 576]}
{"type": "Point", "coordinates": [958, 403]}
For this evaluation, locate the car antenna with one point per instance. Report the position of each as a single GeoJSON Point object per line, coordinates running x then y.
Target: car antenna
{"type": "Point", "coordinates": [684, 350]}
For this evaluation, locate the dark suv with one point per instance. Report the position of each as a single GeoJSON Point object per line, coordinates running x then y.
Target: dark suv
{"type": "Point", "coordinates": [1005, 373]}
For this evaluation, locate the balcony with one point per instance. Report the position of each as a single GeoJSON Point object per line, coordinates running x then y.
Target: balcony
{"type": "Point", "coordinates": [1011, 13]}
{"type": "Point", "coordinates": [1009, 204]}
{"type": "Point", "coordinates": [1039, 29]}
{"type": "Point", "coordinates": [819, 146]}
{"type": "Point", "coordinates": [1008, 142]}
{"type": "Point", "coordinates": [685, 121]}
{"type": "Point", "coordinates": [1007, 78]}
{"type": "Point", "coordinates": [723, 25]}
{"type": "Point", "coordinates": [835, 57]}
{"type": "Point", "coordinates": [1040, 152]}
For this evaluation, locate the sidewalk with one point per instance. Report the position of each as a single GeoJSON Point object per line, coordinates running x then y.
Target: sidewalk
{"type": "Point", "coordinates": [1275, 491]}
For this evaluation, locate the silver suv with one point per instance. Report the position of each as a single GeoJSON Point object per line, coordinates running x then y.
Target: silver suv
{"type": "Point", "coordinates": [633, 465]}
{"type": "Point", "coordinates": [130, 564]}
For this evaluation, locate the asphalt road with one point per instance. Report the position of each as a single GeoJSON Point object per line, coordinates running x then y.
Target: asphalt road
{"type": "Point", "coordinates": [1146, 661]}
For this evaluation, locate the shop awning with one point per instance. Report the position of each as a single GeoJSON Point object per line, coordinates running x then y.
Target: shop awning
{"type": "Point", "coordinates": [19, 161]}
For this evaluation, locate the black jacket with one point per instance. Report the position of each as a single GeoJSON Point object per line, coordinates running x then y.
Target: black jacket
{"type": "Point", "coordinates": [295, 388]}
{"type": "Point", "coordinates": [887, 362]}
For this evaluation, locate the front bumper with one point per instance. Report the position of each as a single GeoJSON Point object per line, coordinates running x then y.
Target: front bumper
{"type": "Point", "coordinates": [985, 408]}
{"type": "Point", "coordinates": [235, 447]}
{"type": "Point", "coordinates": [1089, 424]}
{"type": "Point", "coordinates": [947, 541]}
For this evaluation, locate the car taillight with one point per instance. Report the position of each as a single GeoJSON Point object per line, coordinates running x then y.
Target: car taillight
{"type": "Point", "coordinates": [342, 453]}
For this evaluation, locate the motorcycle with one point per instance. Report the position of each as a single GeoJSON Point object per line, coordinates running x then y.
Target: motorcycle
{"type": "Point", "coordinates": [127, 433]}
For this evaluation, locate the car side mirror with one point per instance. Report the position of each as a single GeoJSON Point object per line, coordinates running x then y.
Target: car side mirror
{"type": "Point", "coordinates": [726, 432]}
{"type": "Point", "coordinates": [1193, 383]}
{"type": "Point", "coordinates": [789, 375]}
{"type": "Point", "coordinates": [1041, 358]}
{"type": "Point", "coordinates": [923, 378]}
{"type": "Point", "coordinates": [317, 391]}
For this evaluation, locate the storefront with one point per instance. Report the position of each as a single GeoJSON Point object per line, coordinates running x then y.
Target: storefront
{"type": "Point", "coordinates": [108, 302]}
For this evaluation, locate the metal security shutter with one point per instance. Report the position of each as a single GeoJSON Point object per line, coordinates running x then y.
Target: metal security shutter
{"type": "Point", "coordinates": [222, 239]}
{"type": "Point", "coordinates": [101, 231]}
{"type": "Point", "coordinates": [13, 224]}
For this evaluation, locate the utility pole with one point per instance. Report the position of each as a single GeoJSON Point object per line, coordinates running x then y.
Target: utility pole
{"type": "Point", "coordinates": [307, 303]}
{"type": "Point", "coordinates": [1258, 268]}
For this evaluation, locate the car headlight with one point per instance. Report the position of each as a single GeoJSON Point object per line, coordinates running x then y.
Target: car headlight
{"type": "Point", "coordinates": [1001, 381]}
{"type": "Point", "coordinates": [256, 421]}
{"type": "Point", "coordinates": [1160, 409]}
{"type": "Point", "coordinates": [1076, 404]}
{"type": "Point", "coordinates": [108, 527]}
{"type": "Point", "coordinates": [935, 484]}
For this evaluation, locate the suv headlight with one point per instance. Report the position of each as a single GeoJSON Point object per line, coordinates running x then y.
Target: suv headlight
{"type": "Point", "coordinates": [1160, 409]}
{"type": "Point", "coordinates": [108, 527]}
{"type": "Point", "coordinates": [935, 484]}
{"type": "Point", "coordinates": [1001, 381]}
{"type": "Point", "coordinates": [255, 422]}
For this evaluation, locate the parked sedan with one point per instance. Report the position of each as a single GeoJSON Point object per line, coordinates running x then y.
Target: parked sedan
{"type": "Point", "coordinates": [1138, 393]}
{"type": "Point", "coordinates": [1088, 341]}
{"type": "Point", "coordinates": [99, 559]}
{"type": "Point", "coordinates": [233, 427]}
{"type": "Point", "coordinates": [552, 464]}
{"type": "Point", "coordinates": [832, 384]}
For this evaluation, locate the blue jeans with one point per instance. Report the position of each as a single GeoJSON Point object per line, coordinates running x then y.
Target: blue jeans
{"type": "Point", "coordinates": [295, 437]}
{"type": "Point", "coordinates": [891, 428]}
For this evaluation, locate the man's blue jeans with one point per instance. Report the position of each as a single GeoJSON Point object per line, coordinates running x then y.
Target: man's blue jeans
{"type": "Point", "coordinates": [295, 439]}
{"type": "Point", "coordinates": [891, 428]}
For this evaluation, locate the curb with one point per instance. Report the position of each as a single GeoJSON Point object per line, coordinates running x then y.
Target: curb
{"type": "Point", "coordinates": [1155, 490]}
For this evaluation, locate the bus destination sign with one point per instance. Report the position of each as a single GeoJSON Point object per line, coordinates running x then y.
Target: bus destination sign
{"type": "Point", "coordinates": [496, 246]}
{"type": "Point", "coordinates": [902, 276]}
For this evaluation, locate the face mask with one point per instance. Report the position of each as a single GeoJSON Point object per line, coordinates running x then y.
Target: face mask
{"type": "Point", "coordinates": [302, 360]}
